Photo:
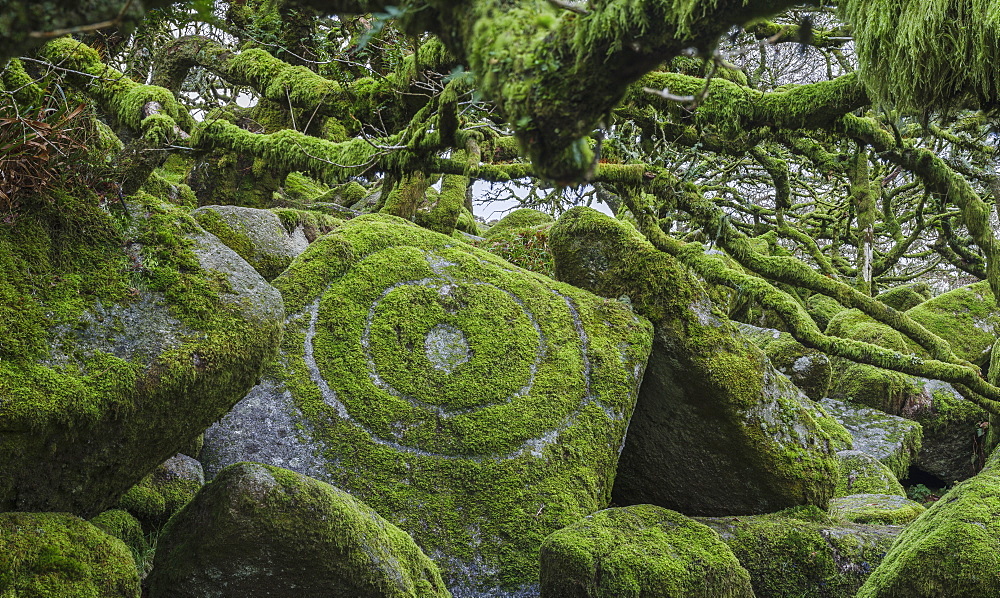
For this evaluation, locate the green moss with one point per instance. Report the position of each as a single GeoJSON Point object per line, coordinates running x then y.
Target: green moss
{"type": "Point", "coordinates": [798, 553]}
{"type": "Point", "coordinates": [526, 248]}
{"type": "Point", "coordinates": [861, 473]}
{"type": "Point", "coordinates": [467, 461]}
{"type": "Point", "coordinates": [823, 309]}
{"type": "Point", "coordinates": [314, 224]}
{"type": "Point", "coordinates": [56, 555]}
{"type": "Point", "coordinates": [950, 548]}
{"type": "Point", "coordinates": [641, 550]}
{"type": "Point", "coordinates": [121, 524]}
{"type": "Point", "coordinates": [255, 527]}
{"type": "Point", "coordinates": [965, 317]}
{"type": "Point", "coordinates": [907, 296]}
{"type": "Point", "coordinates": [520, 218]}
{"type": "Point", "coordinates": [876, 508]}
{"type": "Point", "coordinates": [71, 267]}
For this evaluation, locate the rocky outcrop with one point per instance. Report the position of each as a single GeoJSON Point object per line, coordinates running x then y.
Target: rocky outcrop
{"type": "Point", "coordinates": [258, 530]}
{"type": "Point", "coordinates": [717, 430]}
{"type": "Point", "coordinates": [478, 406]}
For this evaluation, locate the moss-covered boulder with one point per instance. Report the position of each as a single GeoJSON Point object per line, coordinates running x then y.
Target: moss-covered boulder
{"type": "Point", "coordinates": [717, 430]}
{"type": "Point", "coordinates": [966, 317]}
{"type": "Point", "coordinates": [121, 524]}
{"type": "Point", "coordinates": [804, 552]}
{"type": "Point", "coordinates": [876, 509]}
{"type": "Point", "coordinates": [518, 219]}
{"type": "Point", "coordinates": [808, 369]}
{"type": "Point", "coordinates": [57, 555]}
{"type": "Point", "coordinates": [256, 235]}
{"type": "Point", "coordinates": [527, 248]}
{"type": "Point", "coordinates": [893, 440]}
{"type": "Point", "coordinates": [904, 297]}
{"type": "Point", "coordinates": [861, 473]}
{"type": "Point", "coordinates": [823, 309]}
{"type": "Point", "coordinates": [478, 406]}
{"type": "Point", "coordinates": [954, 444]}
{"type": "Point", "coordinates": [122, 336]}
{"type": "Point", "coordinates": [258, 530]}
{"type": "Point", "coordinates": [953, 549]}
{"type": "Point", "coordinates": [642, 550]}
{"type": "Point", "coordinates": [162, 493]}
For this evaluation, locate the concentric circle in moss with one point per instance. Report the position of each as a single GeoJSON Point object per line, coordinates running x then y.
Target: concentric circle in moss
{"type": "Point", "coordinates": [366, 350]}
{"type": "Point", "coordinates": [503, 343]}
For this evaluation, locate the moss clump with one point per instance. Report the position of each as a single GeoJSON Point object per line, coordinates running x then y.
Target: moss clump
{"type": "Point", "coordinates": [443, 380]}
{"type": "Point", "coordinates": [907, 296]}
{"type": "Point", "coordinates": [823, 309]}
{"type": "Point", "coordinates": [641, 550]}
{"type": "Point", "coordinates": [257, 530]}
{"type": "Point", "coordinates": [520, 218]}
{"type": "Point", "coordinates": [56, 555]}
{"type": "Point", "coordinates": [803, 552]}
{"type": "Point", "coordinates": [164, 492]}
{"type": "Point", "coordinates": [949, 550]}
{"type": "Point", "coordinates": [710, 402]}
{"type": "Point", "coordinates": [861, 473]}
{"type": "Point", "coordinates": [876, 509]}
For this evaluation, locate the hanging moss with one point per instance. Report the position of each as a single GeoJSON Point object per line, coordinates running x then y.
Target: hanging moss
{"type": "Point", "coordinates": [909, 52]}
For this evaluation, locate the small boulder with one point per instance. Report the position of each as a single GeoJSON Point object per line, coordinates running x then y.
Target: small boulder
{"type": "Point", "coordinates": [519, 219]}
{"type": "Point", "coordinates": [893, 440]}
{"type": "Point", "coordinates": [258, 530]}
{"type": "Point", "coordinates": [876, 509]}
{"type": "Point", "coordinates": [162, 493]}
{"type": "Point", "coordinates": [861, 473]}
{"type": "Point", "coordinates": [57, 555]}
{"type": "Point", "coordinates": [256, 235]}
{"type": "Point", "coordinates": [642, 550]}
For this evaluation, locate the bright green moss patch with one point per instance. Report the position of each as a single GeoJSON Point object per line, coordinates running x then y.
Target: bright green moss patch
{"type": "Point", "coordinates": [861, 473]}
{"type": "Point", "coordinates": [477, 405]}
{"type": "Point", "coordinates": [118, 347]}
{"type": "Point", "coordinates": [965, 317]}
{"type": "Point", "coordinates": [256, 530]}
{"type": "Point", "coordinates": [55, 555]}
{"type": "Point", "coordinates": [520, 218]}
{"type": "Point", "coordinates": [952, 549]}
{"type": "Point", "coordinates": [803, 552]}
{"type": "Point", "coordinates": [907, 296]}
{"type": "Point", "coordinates": [641, 550]}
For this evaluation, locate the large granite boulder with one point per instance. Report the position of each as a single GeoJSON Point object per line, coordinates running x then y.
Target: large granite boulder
{"type": "Point", "coordinates": [258, 530]}
{"type": "Point", "coordinates": [953, 549]}
{"type": "Point", "coordinates": [717, 430]}
{"type": "Point", "coordinates": [478, 406]}
{"type": "Point", "coordinates": [122, 337]}
{"type": "Point", "coordinates": [966, 317]}
{"type": "Point", "coordinates": [642, 550]}
{"type": "Point", "coordinates": [58, 555]}
{"type": "Point", "coordinates": [803, 552]}
{"type": "Point", "coordinates": [895, 441]}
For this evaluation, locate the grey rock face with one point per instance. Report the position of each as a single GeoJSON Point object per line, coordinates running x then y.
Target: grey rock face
{"type": "Point", "coordinates": [257, 235]}
{"type": "Point", "coordinates": [259, 531]}
{"type": "Point", "coordinates": [266, 427]}
{"type": "Point", "coordinates": [863, 473]}
{"type": "Point", "coordinates": [893, 440]}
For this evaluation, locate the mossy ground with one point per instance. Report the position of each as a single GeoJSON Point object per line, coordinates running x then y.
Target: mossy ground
{"type": "Point", "coordinates": [482, 463]}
